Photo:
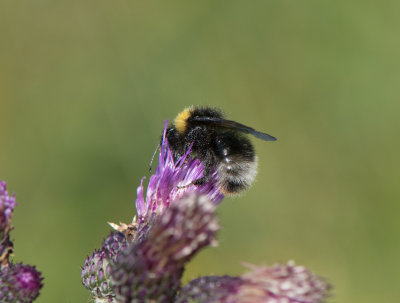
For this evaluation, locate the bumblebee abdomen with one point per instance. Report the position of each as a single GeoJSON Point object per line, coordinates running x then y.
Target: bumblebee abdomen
{"type": "Point", "coordinates": [236, 175]}
{"type": "Point", "coordinates": [237, 162]}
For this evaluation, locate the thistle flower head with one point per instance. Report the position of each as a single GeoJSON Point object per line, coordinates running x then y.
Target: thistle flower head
{"type": "Point", "coordinates": [161, 240]}
{"type": "Point", "coordinates": [276, 284]}
{"type": "Point", "coordinates": [284, 283]}
{"type": "Point", "coordinates": [173, 180]}
{"type": "Point", "coordinates": [19, 283]}
{"type": "Point", "coordinates": [152, 268]}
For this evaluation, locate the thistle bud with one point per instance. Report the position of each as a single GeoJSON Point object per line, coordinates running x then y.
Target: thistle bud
{"type": "Point", "coordinates": [19, 283]}
{"type": "Point", "coordinates": [96, 270]}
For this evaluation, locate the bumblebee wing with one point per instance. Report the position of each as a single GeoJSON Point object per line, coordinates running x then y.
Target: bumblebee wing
{"type": "Point", "coordinates": [234, 125]}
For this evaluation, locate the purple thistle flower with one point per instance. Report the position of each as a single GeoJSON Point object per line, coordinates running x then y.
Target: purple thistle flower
{"type": "Point", "coordinates": [287, 283]}
{"type": "Point", "coordinates": [276, 284]}
{"type": "Point", "coordinates": [170, 183]}
{"type": "Point", "coordinates": [151, 269]}
{"type": "Point", "coordinates": [7, 204]}
{"type": "Point", "coordinates": [19, 283]}
{"type": "Point", "coordinates": [173, 180]}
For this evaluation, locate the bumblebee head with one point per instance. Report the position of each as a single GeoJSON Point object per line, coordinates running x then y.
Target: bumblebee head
{"type": "Point", "coordinates": [181, 120]}
{"type": "Point", "coordinates": [175, 142]}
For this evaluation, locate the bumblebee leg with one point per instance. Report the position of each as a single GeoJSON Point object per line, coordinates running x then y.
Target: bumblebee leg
{"type": "Point", "coordinates": [183, 186]}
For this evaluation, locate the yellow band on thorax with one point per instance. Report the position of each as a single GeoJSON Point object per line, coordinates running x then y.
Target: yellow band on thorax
{"type": "Point", "coordinates": [180, 121]}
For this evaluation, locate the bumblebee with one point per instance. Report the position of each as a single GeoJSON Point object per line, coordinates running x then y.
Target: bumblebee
{"type": "Point", "coordinates": [219, 144]}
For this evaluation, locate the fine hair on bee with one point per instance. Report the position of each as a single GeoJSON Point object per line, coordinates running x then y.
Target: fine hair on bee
{"type": "Point", "coordinates": [220, 144]}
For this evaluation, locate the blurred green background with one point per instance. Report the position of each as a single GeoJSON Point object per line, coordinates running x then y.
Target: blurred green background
{"type": "Point", "coordinates": [85, 87]}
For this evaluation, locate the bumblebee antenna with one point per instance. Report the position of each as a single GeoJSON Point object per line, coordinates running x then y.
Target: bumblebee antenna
{"type": "Point", "coordinates": [152, 158]}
